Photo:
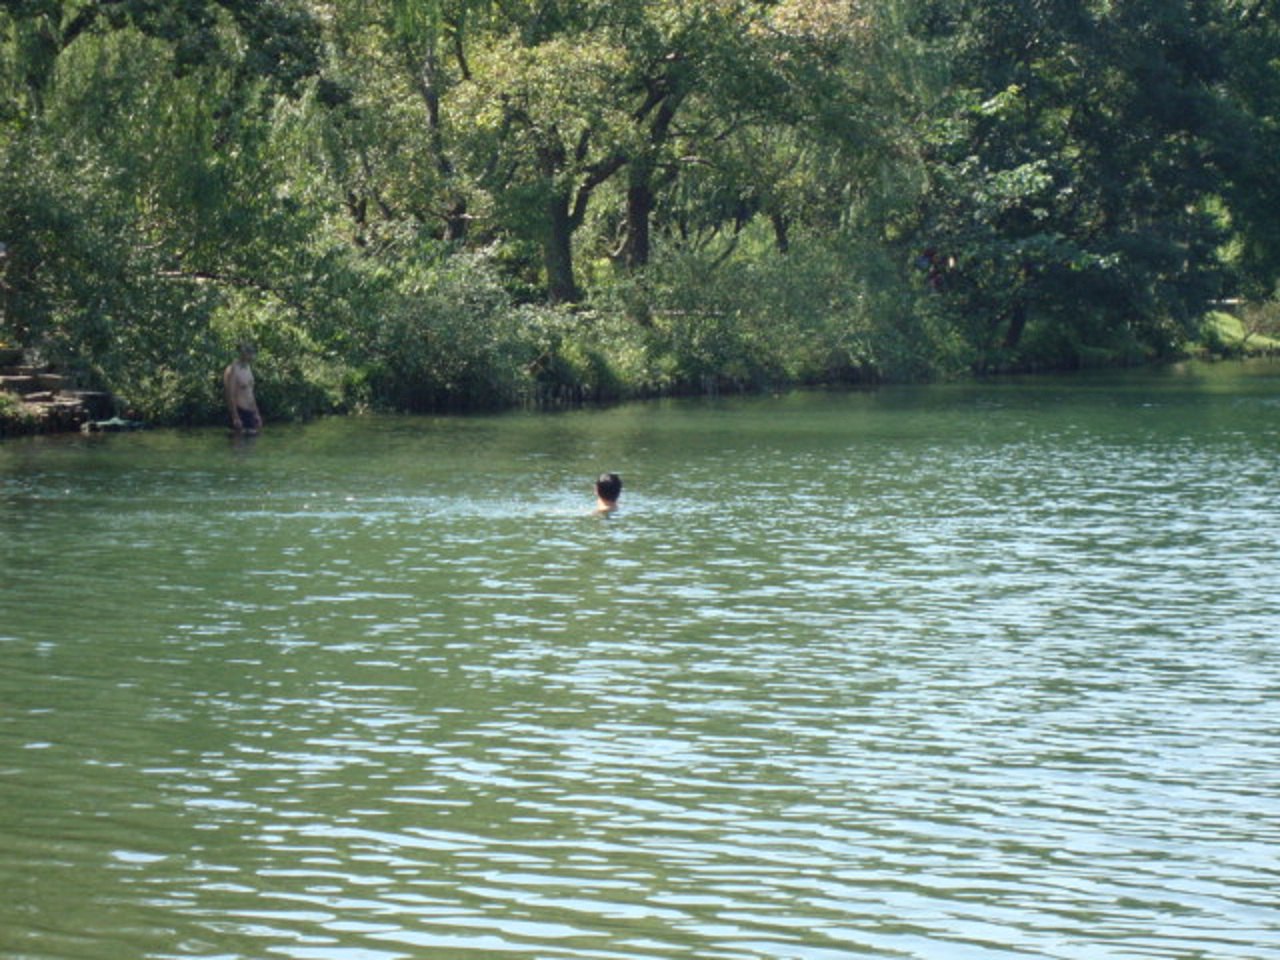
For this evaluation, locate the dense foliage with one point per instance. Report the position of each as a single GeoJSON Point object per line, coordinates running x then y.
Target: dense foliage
{"type": "Point", "coordinates": [426, 204]}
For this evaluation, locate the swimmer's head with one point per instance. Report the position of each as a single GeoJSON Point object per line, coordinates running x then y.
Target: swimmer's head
{"type": "Point", "coordinates": [609, 487]}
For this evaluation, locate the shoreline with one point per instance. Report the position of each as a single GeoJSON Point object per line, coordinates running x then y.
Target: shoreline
{"type": "Point", "coordinates": [81, 411]}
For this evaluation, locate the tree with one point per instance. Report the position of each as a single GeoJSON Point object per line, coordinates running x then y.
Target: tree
{"type": "Point", "coordinates": [1071, 174]}
{"type": "Point", "coordinates": [141, 188]}
{"type": "Point", "coordinates": [1250, 138]}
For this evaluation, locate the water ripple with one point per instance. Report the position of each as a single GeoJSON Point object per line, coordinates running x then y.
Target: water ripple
{"type": "Point", "coordinates": [878, 676]}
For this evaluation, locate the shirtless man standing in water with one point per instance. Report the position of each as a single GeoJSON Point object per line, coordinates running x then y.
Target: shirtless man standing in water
{"type": "Point", "coordinates": [237, 384]}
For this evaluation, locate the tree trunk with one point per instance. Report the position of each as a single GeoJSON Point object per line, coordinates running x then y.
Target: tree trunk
{"type": "Point", "coordinates": [456, 222]}
{"type": "Point", "coordinates": [635, 251]}
{"type": "Point", "coordinates": [664, 99]}
{"type": "Point", "coordinates": [455, 218]}
{"type": "Point", "coordinates": [557, 251]}
{"type": "Point", "coordinates": [1017, 323]}
{"type": "Point", "coordinates": [781, 232]}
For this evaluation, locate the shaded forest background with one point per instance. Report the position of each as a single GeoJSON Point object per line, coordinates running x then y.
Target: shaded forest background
{"type": "Point", "coordinates": [447, 204]}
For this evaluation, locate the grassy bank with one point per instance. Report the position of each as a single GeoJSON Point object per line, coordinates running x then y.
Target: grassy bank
{"type": "Point", "coordinates": [1250, 330]}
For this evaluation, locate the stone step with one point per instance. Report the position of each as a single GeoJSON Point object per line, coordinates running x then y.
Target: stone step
{"type": "Point", "coordinates": [20, 384]}
{"type": "Point", "coordinates": [57, 403]}
{"type": "Point", "coordinates": [33, 386]}
{"type": "Point", "coordinates": [59, 414]}
{"type": "Point", "coordinates": [53, 404]}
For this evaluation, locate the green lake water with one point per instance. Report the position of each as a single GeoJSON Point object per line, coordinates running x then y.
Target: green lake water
{"type": "Point", "coordinates": [964, 671]}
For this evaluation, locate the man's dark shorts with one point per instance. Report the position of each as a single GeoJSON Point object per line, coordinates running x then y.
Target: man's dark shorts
{"type": "Point", "coordinates": [249, 420]}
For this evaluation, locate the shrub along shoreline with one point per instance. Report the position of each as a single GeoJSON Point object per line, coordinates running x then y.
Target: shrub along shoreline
{"type": "Point", "coordinates": [553, 358]}
{"type": "Point", "coordinates": [450, 334]}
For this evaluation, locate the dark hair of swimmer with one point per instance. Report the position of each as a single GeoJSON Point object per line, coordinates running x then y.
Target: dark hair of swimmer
{"type": "Point", "coordinates": [609, 487]}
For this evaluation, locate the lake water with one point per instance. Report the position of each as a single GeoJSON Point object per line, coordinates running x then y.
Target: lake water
{"type": "Point", "coordinates": [979, 671]}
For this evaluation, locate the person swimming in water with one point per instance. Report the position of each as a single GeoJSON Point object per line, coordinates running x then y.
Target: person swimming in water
{"type": "Point", "coordinates": [608, 489]}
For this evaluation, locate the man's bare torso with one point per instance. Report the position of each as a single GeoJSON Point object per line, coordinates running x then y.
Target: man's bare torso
{"type": "Point", "coordinates": [239, 382]}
